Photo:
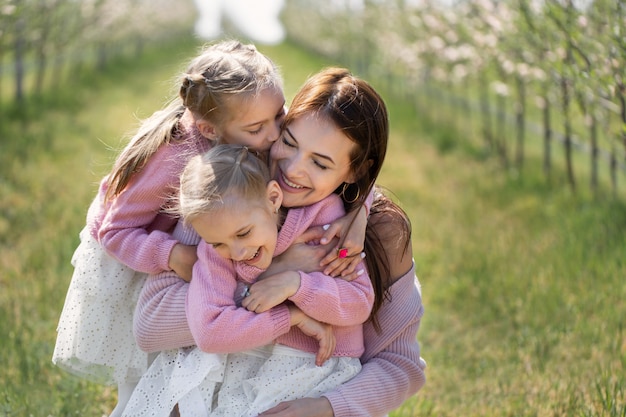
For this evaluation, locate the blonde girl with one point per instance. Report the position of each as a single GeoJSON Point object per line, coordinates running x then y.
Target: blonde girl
{"type": "Point", "coordinates": [228, 198]}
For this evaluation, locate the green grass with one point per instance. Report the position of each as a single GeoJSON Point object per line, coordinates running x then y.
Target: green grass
{"type": "Point", "coordinates": [523, 282]}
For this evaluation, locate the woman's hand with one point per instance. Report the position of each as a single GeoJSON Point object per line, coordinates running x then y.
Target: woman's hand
{"type": "Point", "coordinates": [350, 230]}
{"type": "Point", "coordinates": [303, 407]}
{"type": "Point", "coordinates": [322, 332]}
{"type": "Point", "coordinates": [306, 255]}
{"type": "Point", "coordinates": [271, 291]}
{"type": "Point", "coordinates": [182, 259]}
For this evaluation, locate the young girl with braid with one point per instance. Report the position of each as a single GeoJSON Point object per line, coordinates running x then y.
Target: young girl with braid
{"type": "Point", "coordinates": [229, 93]}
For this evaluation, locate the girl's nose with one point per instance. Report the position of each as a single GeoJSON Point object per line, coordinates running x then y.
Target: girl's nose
{"type": "Point", "coordinates": [238, 253]}
{"type": "Point", "coordinates": [274, 132]}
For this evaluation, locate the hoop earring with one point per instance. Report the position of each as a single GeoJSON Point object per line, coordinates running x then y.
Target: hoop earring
{"type": "Point", "coordinates": [343, 194]}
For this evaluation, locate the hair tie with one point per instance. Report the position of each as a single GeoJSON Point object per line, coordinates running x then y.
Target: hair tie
{"type": "Point", "coordinates": [242, 155]}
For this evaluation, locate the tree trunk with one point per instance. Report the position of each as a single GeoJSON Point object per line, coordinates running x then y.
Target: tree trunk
{"type": "Point", "coordinates": [593, 137]}
{"type": "Point", "coordinates": [567, 126]}
{"type": "Point", "coordinates": [520, 116]}
{"type": "Point", "coordinates": [501, 140]}
{"type": "Point", "coordinates": [20, 46]}
{"type": "Point", "coordinates": [485, 109]}
{"type": "Point", "coordinates": [547, 137]}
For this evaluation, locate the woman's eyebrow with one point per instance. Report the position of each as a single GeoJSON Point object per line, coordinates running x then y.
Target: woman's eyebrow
{"type": "Point", "coordinates": [290, 134]}
{"type": "Point", "coordinates": [319, 155]}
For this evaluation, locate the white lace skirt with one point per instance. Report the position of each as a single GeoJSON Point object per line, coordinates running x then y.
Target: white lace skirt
{"type": "Point", "coordinates": [187, 377]}
{"type": "Point", "coordinates": [238, 385]}
{"type": "Point", "coordinates": [95, 333]}
{"type": "Point", "coordinates": [253, 383]}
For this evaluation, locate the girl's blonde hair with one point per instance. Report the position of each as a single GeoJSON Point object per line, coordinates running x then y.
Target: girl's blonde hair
{"type": "Point", "coordinates": [222, 70]}
{"type": "Point", "coordinates": [225, 169]}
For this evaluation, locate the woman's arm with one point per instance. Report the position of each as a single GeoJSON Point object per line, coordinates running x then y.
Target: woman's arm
{"type": "Point", "coordinates": [160, 321]}
{"type": "Point", "coordinates": [392, 367]}
{"type": "Point", "coordinates": [390, 376]}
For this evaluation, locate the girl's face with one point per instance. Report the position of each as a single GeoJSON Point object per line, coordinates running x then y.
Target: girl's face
{"type": "Point", "coordinates": [243, 230]}
{"type": "Point", "coordinates": [256, 121]}
{"type": "Point", "coordinates": [310, 160]}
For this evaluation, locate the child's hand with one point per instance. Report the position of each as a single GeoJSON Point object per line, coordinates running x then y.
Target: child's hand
{"type": "Point", "coordinates": [322, 332]}
{"type": "Point", "coordinates": [343, 259]}
{"type": "Point", "coordinates": [182, 259]}
{"type": "Point", "coordinates": [271, 291]}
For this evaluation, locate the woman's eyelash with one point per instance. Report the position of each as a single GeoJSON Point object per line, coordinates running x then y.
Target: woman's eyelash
{"type": "Point", "coordinates": [320, 165]}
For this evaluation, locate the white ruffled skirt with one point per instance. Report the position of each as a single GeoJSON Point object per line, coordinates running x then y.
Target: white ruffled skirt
{"type": "Point", "coordinates": [187, 377]}
{"type": "Point", "coordinates": [258, 380]}
{"type": "Point", "coordinates": [95, 332]}
{"type": "Point", "coordinates": [238, 385]}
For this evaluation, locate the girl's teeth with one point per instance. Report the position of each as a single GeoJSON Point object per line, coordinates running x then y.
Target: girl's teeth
{"type": "Point", "coordinates": [253, 256]}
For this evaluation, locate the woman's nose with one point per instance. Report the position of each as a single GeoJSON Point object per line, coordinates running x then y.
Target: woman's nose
{"type": "Point", "coordinates": [293, 168]}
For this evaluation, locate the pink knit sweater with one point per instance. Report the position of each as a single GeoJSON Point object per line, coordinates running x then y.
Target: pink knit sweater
{"type": "Point", "coordinates": [393, 369]}
{"type": "Point", "coordinates": [133, 228]}
{"type": "Point", "coordinates": [219, 326]}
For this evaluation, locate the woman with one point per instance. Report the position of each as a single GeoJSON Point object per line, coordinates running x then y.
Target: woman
{"type": "Point", "coordinates": [334, 140]}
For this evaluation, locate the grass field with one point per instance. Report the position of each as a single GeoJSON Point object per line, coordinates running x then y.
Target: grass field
{"type": "Point", "coordinates": [523, 283]}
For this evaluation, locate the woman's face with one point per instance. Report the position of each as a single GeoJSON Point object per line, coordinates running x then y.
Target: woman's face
{"type": "Point", "coordinates": [310, 160]}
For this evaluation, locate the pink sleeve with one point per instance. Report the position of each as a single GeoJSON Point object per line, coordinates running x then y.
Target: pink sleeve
{"type": "Point", "coordinates": [217, 324]}
{"type": "Point", "coordinates": [330, 300]}
{"type": "Point", "coordinates": [124, 230]}
{"type": "Point", "coordinates": [393, 369]}
{"type": "Point", "coordinates": [334, 300]}
{"type": "Point", "coordinates": [160, 322]}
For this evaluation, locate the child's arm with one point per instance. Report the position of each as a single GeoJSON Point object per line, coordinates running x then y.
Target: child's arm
{"type": "Point", "coordinates": [218, 325]}
{"type": "Point", "coordinates": [126, 232]}
{"type": "Point", "coordinates": [321, 332]}
{"type": "Point", "coordinates": [333, 301]}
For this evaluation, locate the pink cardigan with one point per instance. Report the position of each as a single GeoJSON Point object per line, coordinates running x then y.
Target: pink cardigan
{"type": "Point", "coordinates": [219, 326]}
{"type": "Point", "coordinates": [392, 367]}
{"type": "Point", "coordinates": [133, 228]}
